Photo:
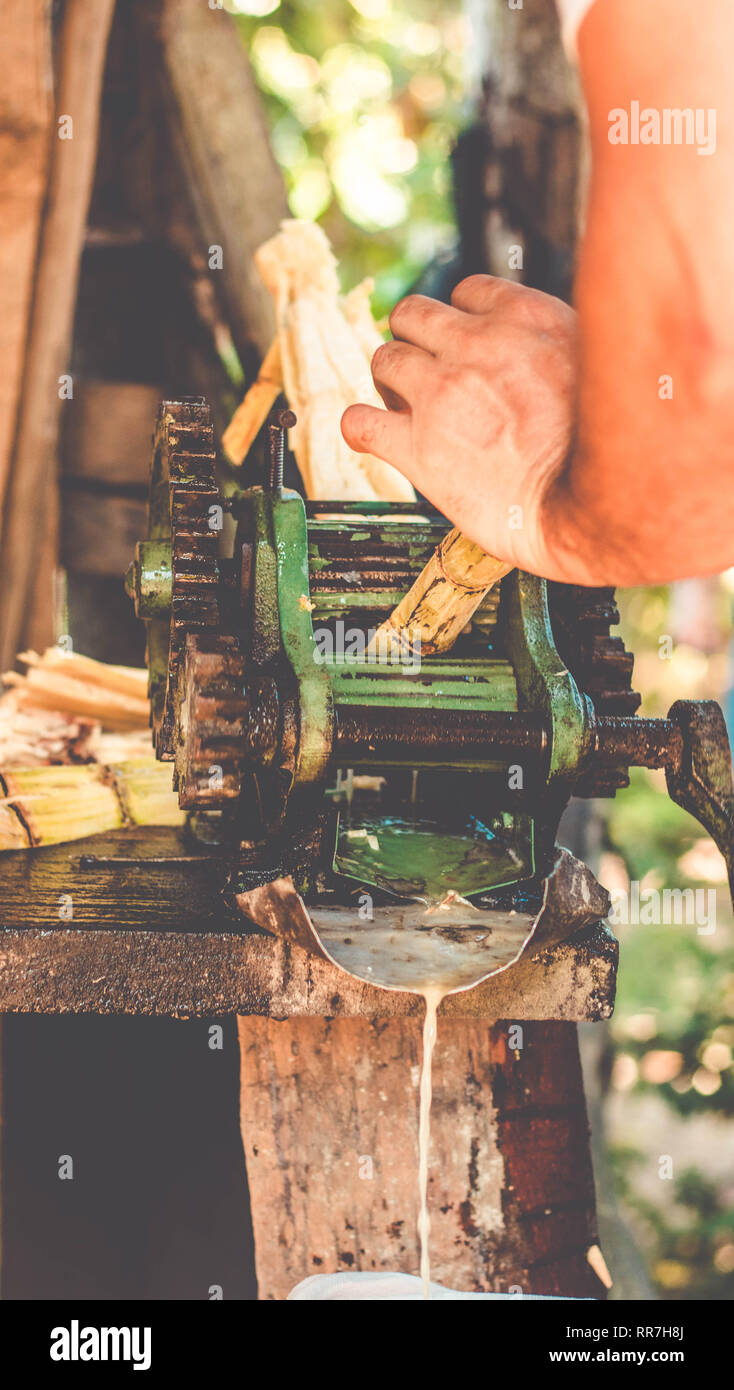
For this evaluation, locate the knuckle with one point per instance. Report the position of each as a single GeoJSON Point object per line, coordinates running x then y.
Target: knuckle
{"type": "Point", "coordinates": [485, 285]}
{"type": "Point", "coordinates": [474, 282]}
{"type": "Point", "coordinates": [384, 357]}
{"type": "Point", "coordinates": [380, 357]}
{"type": "Point", "coordinates": [406, 308]}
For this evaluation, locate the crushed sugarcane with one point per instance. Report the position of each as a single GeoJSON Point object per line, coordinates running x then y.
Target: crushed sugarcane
{"type": "Point", "coordinates": [325, 345]}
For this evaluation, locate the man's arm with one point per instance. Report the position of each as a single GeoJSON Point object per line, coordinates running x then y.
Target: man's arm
{"type": "Point", "coordinates": [633, 482]}
{"type": "Point", "coordinates": [652, 477]}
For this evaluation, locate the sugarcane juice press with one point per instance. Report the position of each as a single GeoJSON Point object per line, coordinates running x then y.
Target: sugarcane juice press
{"type": "Point", "coordinates": [349, 793]}
{"type": "Point", "coordinates": [264, 700]}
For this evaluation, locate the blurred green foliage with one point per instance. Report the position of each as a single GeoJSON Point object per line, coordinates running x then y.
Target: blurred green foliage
{"type": "Point", "coordinates": [364, 99]}
{"type": "Point", "coordinates": [691, 1235]}
{"type": "Point", "coordinates": [673, 1026]}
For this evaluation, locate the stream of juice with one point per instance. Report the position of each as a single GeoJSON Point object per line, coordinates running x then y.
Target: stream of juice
{"type": "Point", "coordinates": [433, 997]}
{"type": "Point", "coordinates": [430, 952]}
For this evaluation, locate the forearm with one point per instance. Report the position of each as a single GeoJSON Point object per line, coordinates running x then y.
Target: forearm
{"type": "Point", "coordinates": [648, 491]}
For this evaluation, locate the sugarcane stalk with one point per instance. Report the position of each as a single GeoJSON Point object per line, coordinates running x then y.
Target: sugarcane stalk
{"type": "Point", "coordinates": [441, 601]}
{"type": "Point", "coordinates": [252, 413]}
{"type": "Point", "coordinates": [49, 805]}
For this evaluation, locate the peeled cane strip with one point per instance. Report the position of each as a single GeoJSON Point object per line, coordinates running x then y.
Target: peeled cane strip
{"type": "Point", "coordinates": [126, 680]}
{"type": "Point", "coordinates": [358, 314]}
{"type": "Point", "coordinates": [251, 415]}
{"type": "Point", "coordinates": [50, 690]}
{"type": "Point", "coordinates": [441, 601]}
{"type": "Point", "coordinates": [62, 803]}
{"type": "Point", "coordinates": [144, 787]}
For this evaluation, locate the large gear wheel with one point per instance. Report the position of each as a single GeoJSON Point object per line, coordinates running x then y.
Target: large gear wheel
{"type": "Point", "coordinates": [176, 575]}
{"type": "Point", "coordinates": [220, 712]}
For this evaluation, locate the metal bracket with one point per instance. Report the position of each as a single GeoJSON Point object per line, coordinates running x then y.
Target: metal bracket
{"type": "Point", "coordinates": [282, 620]}
{"type": "Point", "coordinates": [543, 681]}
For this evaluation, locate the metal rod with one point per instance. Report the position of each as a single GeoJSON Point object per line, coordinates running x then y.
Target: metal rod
{"type": "Point", "coordinates": [370, 732]}
{"type": "Point", "coordinates": [638, 742]}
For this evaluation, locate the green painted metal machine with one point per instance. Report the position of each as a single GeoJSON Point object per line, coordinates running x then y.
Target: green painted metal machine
{"type": "Point", "coordinates": [258, 607]}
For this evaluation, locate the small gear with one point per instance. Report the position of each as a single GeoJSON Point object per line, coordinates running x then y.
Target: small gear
{"type": "Point", "coordinates": [599, 663]}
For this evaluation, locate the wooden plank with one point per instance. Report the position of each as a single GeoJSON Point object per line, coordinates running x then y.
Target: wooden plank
{"type": "Point", "coordinates": [107, 429]}
{"type": "Point", "coordinates": [329, 1112]}
{"type": "Point", "coordinates": [182, 964]}
{"type": "Point", "coordinates": [99, 532]}
{"type": "Point", "coordinates": [219, 129]}
{"type": "Point", "coordinates": [25, 121]}
{"type": "Point", "coordinates": [150, 934]}
{"type": "Point", "coordinates": [82, 48]}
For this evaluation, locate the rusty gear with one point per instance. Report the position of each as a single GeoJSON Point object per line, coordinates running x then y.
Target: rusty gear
{"type": "Point", "coordinates": [185, 507]}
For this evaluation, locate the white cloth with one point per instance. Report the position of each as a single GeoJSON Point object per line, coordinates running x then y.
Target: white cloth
{"type": "Point", "coordinates": [571, 13]}
{"type": "Point", "coordinates": [403, 1288]}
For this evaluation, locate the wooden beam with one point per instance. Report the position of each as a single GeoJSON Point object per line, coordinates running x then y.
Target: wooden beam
{"type": "Point", "coordinates": [107, 431]}
{"type": "Point", "coordinates": [151, 935]}
{"type": "Point", "coordinates": [160, 965]}
{"type": "Point", "coordinates": [220, 133]}
{"type": "Point", "coordinates": [23, 572]}
{"type": "Point", "coordinates": [100, 532]}
{"type": "Point", "coordinates": [25, 123]}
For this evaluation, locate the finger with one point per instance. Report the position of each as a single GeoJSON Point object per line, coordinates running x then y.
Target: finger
{"type": "Point", "coordinates": [401, 368]}
{"type": "Point", "coordinates": [426, 323]}
{"type": "Point", "coordinates": [480, 294]}
{"type": "Point", "coordinates": [369, 430]}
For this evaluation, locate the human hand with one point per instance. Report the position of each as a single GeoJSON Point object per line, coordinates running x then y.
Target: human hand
{"type": "Point", "coordinates": [480, 415]}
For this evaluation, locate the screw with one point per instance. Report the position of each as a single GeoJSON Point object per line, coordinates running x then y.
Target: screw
{"type": "Point", "coordinates": [281, 419]}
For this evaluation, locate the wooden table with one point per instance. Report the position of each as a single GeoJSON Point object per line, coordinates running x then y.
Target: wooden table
{"type": "Point", "coordinates": [134, 923]}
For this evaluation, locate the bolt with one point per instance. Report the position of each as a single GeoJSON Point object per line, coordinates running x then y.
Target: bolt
{"type": "Point", "coordinates": [281, 419]}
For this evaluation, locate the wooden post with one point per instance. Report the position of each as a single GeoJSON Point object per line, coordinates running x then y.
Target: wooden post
{"type": "Point", "coordinates": [329, 1115]}
{"type": "Point", "coordinates": [25, 120]}
{"type": "Point", "coordinates": [32, 488]}
{"type": "Point", "coordinates": [533, 156]}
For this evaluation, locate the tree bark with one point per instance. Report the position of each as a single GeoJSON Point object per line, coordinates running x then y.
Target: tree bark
{"type": "Point", "coordinates": [521, 170]}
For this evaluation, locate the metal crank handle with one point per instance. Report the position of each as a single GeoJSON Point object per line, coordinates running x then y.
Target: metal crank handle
{"type": "Point", "coordinates": [700, 777]}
